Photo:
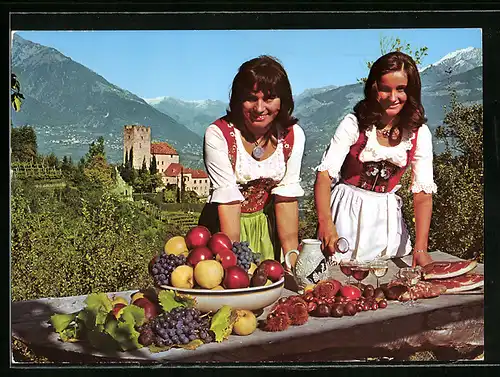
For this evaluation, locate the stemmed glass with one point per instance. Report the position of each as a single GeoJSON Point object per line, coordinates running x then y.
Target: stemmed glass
{"type": "Point", "coordinates": [360, 271]}
{"type": "Point", "coordinates": [379, 268]}
{"type": "Point", "coordinates": [345, 268]}
{"type": "Point", "coordinates": [411, 276]}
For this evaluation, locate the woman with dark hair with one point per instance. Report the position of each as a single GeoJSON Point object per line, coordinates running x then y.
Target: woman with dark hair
{"type": "Point", "coordinates": [253, 157]}
{"type": "Point", "coordinates": [360, 171]}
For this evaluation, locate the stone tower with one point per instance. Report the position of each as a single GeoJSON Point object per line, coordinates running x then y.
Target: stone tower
{"type": "Point", "coordinates": [137, 138]}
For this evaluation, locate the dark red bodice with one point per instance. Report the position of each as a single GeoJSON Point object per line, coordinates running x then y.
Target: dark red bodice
{"type": "Point", "coordinates": [380, 176]}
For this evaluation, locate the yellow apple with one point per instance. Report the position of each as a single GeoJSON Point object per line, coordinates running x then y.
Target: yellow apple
{"type": "Point", "coordinates": [208, 273]}
{"type": "Point", "coordinates": [218, 288]}
{"type": "Point", "coordinates": [136, 296]}
{"type": "Point", "coordinates": [182, 277]}
{"type": "Point", "coordinates": [245, 323]}
{"type": "Point", "coordinates": [119, 300]}
{"type": "Point", "coordinates": [176, 245]}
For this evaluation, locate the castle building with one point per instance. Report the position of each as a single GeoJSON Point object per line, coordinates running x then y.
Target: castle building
{"type": "Point", "coordinates": [165, 155]}
{"type": "Point", "coordinates": [138, 140]}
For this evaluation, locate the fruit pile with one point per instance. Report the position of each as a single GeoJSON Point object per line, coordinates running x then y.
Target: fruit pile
{"type": "Point", "coordinates": [158, 321]}
{"type": "Point", "coordinates": [328, 298]}
{"type": "Point", "coordinates": [206, 261]}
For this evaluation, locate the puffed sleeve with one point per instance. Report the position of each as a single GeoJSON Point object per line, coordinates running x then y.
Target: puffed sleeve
{"type": "Point", "coordinates": [345, 136]}
{"type": "Point", "coordinates": [290, 184]}
{"type": "Point", "coordinates": [421, 165]}
{"type": "Point", "coordinates": [220, 171]}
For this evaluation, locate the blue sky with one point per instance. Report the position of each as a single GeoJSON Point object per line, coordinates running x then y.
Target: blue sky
{"type": "Point", "coordinates": [201, 64]}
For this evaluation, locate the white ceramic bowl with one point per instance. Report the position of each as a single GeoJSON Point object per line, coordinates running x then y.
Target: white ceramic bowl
{"type": "Point", "coordinates": [252, 298]}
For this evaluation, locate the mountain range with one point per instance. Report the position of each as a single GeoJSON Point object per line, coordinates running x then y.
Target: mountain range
{"type": "Point", "coordinates": [69, 106]}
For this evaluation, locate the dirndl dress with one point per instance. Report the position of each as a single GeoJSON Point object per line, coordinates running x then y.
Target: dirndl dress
{"type": "Point", "coordinates": [257, 221]}
{"type": "Point", "coordinates": [365, 207]}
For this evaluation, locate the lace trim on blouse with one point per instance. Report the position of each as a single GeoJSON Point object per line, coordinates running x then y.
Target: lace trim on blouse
{"type": "Point", "coordinates": [373, 151]}
{"type": "Point", "coordinates": [428, 188]}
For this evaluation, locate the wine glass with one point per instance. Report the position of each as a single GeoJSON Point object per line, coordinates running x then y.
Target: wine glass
{"type": "Point", "coordinates": [379, 268]}
{"type": "Point", "coordinates": [411, 276]}
{"type": "Point", "coordinates": [359, 271]}
{"type": "Point", "coordinates": [345, 268]}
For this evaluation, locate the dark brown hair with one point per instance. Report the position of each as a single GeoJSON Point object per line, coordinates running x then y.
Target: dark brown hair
{"type": "Point", "coordinates": [270, 77]}
{"type": "Point", "coordinates": [369, 111]}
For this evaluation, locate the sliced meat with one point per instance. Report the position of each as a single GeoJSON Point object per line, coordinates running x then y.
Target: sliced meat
{"type": "Point", "coordinates": [445, 270]}
{"type": "Point", "coordinates": [396, 290]}
{"type": "Point", "coordinates": [463, 282]}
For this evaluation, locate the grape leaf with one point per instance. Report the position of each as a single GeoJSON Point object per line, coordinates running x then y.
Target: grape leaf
{"type": "Point", "coordinates": [192, 345]}
{"type": "Point", "coordinates": [61, 321]}
{"type": "Point", "coordinates": [100, 305]}
{"type": "Point", "coordinates": [222, 323]}
{"type": "Point", "coordinates": [155, 349]}
{"type": "Point", "coordinates": [123, 330]}
{"type": "Point", "coordinates": [70, 334]}
{"type": "Point", "coordinates": [170, 299]}
{"type": "Point", "coordinates": [133, 314]}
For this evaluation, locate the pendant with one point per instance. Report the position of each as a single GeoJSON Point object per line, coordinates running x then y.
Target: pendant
{"type": "Point", "coordinates": [258, 152]}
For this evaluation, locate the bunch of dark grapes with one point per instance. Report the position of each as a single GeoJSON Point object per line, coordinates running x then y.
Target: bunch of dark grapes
{"type": "Point", "coordinates": [179, 326]}
{"type": "Point", "coordinates": [163, 267]}
{"type": "Point", "coordinates": [245, 255]}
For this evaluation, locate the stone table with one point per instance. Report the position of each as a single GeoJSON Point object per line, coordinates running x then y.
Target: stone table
{"type": "Point", "coordinates": [449, 321]}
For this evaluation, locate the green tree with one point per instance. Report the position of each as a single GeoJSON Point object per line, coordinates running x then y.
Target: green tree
{"type": "Point", "coordinates": [390, 44]}
{"type": "Point", "coordinates": [457, 225]}
{"type": "Point", "coordinates": [153, 169]}
{"type": "Point", "coordinates": [96, 149]}
{"type": "Point", "coordinates": [23, 144]}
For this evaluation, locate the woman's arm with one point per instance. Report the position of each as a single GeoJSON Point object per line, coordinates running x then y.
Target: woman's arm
{"type": "Point", "coordinates": [423, 187]}
{"type": "Point", "coordinates": [327, 232]}
{"type": "Point", "coordinates": [229, 217]}
{"type": "Point", "coordinates": [287, 223]}
{"type": "Point", "coordinates": [422, 203]}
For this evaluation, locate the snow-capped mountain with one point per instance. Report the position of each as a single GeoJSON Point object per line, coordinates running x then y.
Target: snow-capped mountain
{"type": "Point", "coordinates": [454, 63]}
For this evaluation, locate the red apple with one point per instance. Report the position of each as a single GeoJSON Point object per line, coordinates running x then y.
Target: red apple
{"type": "Point", "coordinates": [274, 269]}
{"type": "Point", "coordinates": [197, 236]}
{"type": "Point", "coordinates": [149, 308]}
{"type": "Point", "coordinates": [235, 277]}
{"type": "Point", "coordinates": [117, 309]}
{"type": "Point", "coordinates": [227, 258]}
{"type": "Point", "coordinates": [198, 254]}
{"type": "Point", "coordinates": [350, 292]}
{"type": "Point", "coordinates": [219, 241]}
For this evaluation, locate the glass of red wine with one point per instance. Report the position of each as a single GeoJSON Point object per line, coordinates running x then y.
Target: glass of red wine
{"type": "Point", "coordinates": [359, 271]}
{"type": "Point", "coordinates": [345, 268]}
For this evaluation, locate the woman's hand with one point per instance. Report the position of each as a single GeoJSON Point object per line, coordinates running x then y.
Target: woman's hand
{"type": "Point", "coordinates": [420, 258]}
{"type": "Point", "coordinates": [327, 234]}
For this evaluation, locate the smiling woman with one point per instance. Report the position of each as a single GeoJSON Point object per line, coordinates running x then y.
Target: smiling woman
{"type": "Point", "coordinates": [365, 161]}
{"type": "Point", "coordinates": [253, 157]}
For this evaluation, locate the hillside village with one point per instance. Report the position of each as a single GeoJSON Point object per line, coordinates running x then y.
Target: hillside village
{"type": "Point", "coordinates": [137, 139]}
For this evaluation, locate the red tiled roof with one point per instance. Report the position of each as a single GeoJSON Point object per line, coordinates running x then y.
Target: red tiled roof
{"type": "Point", "coordinates": [162, 148]}
{"type": "Point", "coordinates": [173, 170]}
{"type": "Point", "coordinates": [195, 173]}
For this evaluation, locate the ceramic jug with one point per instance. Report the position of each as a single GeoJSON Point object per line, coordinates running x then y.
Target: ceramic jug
{"type": "Point", "coordinates": [311, 265]}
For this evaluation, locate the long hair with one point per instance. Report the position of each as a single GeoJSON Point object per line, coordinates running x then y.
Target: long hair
{"type": "Point", "coordinates": [369, 111]}
{"type": "Point", "coordinates": [269, 76]}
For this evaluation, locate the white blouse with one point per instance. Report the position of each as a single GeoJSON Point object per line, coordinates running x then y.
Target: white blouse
{"type": "Point", "coordinates": [347, 134]}
{"type": "Point", "coordinates": [226, 182]}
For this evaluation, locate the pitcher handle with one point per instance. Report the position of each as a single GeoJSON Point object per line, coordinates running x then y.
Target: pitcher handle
{"type": "Point", "coordinates": [287, 258]}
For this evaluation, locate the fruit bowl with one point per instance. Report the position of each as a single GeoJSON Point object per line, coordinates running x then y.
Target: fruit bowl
{"type": "Point", "coordinates": [252, 298]}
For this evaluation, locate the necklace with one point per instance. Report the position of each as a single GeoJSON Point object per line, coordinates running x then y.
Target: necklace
{"type": "Point", "coordinates": [385, 133]}
{"type": "Point", "coordinates": [257, 151]}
